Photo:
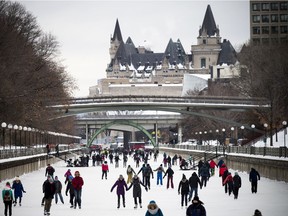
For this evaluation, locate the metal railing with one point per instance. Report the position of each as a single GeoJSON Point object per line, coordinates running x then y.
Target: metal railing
{"type": "Point", "coordinates": [249, 150]}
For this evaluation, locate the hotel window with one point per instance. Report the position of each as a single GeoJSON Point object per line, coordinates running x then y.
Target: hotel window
{"type": "Point", "coordinates": [256, 18]}
{"type": "Point", "coordinates": [274, 29]}
{"type": "Point", "coordinates": [265, 29]}
{"type": "Point", "coordinates": [256, 40]}
{"type": "Point", "coordinates": [274, 6]}
{"type": "Point", "coordinates": [283, 17]}
{"type": "Point", "coordinates": [283, 29]}
{"type": "Point", "coordinates": [283, 5]}
{"type": "Point", "coordinates": [265, 18]}
{"type": "Point", "coordinates": [274, 18]}
{"type": "Point", "coordinates": [256, 6]}
{"type": "Point", "coordinates": [256, 30]}
{"type": "Point", "coordinates": [265, 6]}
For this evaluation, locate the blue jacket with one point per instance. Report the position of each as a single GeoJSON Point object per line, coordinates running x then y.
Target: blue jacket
{"type": "Point", "coordinates": [18, 188]}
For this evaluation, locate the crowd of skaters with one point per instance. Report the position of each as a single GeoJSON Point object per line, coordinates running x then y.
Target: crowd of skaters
{"type": "Point", "coordinates": [187, 188]}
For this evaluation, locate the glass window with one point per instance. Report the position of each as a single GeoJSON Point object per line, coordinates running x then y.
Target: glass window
{"type": "Point", "coordinates": [274, 18]}
{"type": "Point", "coordinates": [256, 30]}
{"type": "Point", "coordinates": [256, 6]}
{"type": "Point", "coordinates": [284, 17]}
{"type": "Point", "coordinates": [283, 5]}
{"type": "Point", "coordinates": [274, 29]}
{"type": "Point", "coordinates": [265, 18]}
{"type": "Point", "coordinates": [265, 29]}
{"type": "Point", "coordinates": [274, 6]}
{"type": "Point", "coordinates": [265, 6]}
{"type": "Point", "coordinates": [256, 40]}
{"type": "Point", "coordinates": [274, 40]}
{"type": "Point", "coordinates": [265, 40]}
{"type": "Point", "coordinates": [203, 63]}
{"type": "Point", "coordinates": [256, 18]}
{"type": "Point", "coordinates": [283, 29]}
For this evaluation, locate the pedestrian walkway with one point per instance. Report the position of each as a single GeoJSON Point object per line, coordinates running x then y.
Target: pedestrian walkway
{"type": "Point", "coordinates": [97, 199]}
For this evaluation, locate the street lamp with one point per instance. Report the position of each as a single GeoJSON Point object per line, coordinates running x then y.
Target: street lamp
{"type": "Point", "coordinates": [224, 136]}
{"type": "Point", "coordinates": [15, 127]}
{"type": "Point", "coordinates": [25, 137]}
{"type": "Point", "coordinates": [284, 123]}
{"type": "Point", "coordinates": [232, 135]}
{"type": "Point", "coordinates": [253, 126]}
{"type": "Point", "coordinates": [20, 133]}
{"type": "Point", "coordinates": [200, 136]}
{"type": "Point", "coordinates": [3, 125]}
{"type": "Point", "coordinates": [10, 126]}
{"type": "Point", "coordinates": [29, 132]}
{"type": "Point", "coordinates": [265, 139]}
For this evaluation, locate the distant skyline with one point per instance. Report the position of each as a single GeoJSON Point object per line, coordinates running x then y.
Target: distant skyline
{"type": "Point", "coordinates": [83, 29]}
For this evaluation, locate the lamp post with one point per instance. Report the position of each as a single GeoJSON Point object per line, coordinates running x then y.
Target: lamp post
{"type": "Point", "coordinates": [284, 123]}
{"type": "Point", "coordinates": [20, 135]}
{"type": "Point", "coordinates": [200, 136]}
{"type": "Point", "coordinates": [265, 139]}
{"type": "Point", "coordinates": [3, 125]}
{"type": "Point", "coordinates": [25, 137]}
{"type": "Point", "coordinates": [253, 126]}
{"type": "Point", "coordinates": [29, 135]}
{"type": "Point", "coordinates": [15, 127]}
{"type": "Point", "coordinates": [10, 126]}
{"type": "Point", "coordinates": [232, 135]}
{"type": "Point", "coordinates": [217, 137]}
{"type": "Point", "coordinates": [224, 139]}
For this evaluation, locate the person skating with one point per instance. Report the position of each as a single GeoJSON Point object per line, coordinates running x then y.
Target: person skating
{"type": "Point", "coordinates": [205, 174]}
{"type": "Point", "coordinates": [169, 172]}
{"type": "Point", "coordinates": [196, 208]}
{"type": "Point", "coordinates": [153, 209]}
{"type": "Point", "coordinates": [137, 192]}
{"type": "Point", "coordinates": [183, 189]}
{"type": "Point", "coordinates": [236, 185]}
{"type": "Point", "coordinates": [105, 169]}
{"type": "Point", "coordinates": [130, 171]}
{"type": "Point", "coordinates": [67, 174]}
{"type": "Point", "coordinates": [7, 196]}
{"type": "Point", "coordinates": [77, 183]}
{"type": "Point", "coordinates": [70, 189]}
{"type": "Point", "coordinates": [147, 175]}
{"type": "Point", "coordinates": [58, 186]}
{"type": "Point", "coordinates": [160, 171]}
{"type": "Point", "coordinates": [193, 183]}
{"type": "Point", "coordinates": [49, 171]}
{"type": "Point", "coordinates": [229, 181]}
{"type": "Point", "coordinates": [49, 189]}
{"type": "Point", "coordinates": [120, 191]}
{"type": "Point", "coordinates": [18, 188]}
{"type": "Point", "coordinates": [254, 176]}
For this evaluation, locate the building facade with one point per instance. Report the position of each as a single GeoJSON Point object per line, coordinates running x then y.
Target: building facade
{"type": "Point", "coordinates": [268, 22]}
{"type": "Point", "coordinates": [148, 73]}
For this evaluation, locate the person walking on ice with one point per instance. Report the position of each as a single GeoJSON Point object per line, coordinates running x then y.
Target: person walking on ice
{"type": "Point", "coordinates": [18, 188]}
{"type": "Point", "coordinates": [121, 186]}
{"type": "Point", "coordinates": [137, 192]}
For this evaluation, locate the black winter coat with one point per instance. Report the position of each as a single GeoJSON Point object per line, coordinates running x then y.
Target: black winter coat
{"type": "Point", "coordinates": [136, 183]}
{"type": "Point", "coordinates": [49, 189]}
{"type": "Point", "coordinates": [183, 186]}
{"type": "Point", "coordinates": [194, 181]}
{"type": "Point", "coordinates": [196, 209]}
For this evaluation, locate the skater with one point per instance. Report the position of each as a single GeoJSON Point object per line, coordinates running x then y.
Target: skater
{"type": "Point", "coordinates": [121, 186]}
{"type": "Point", "coordinates": [67, 174]}
{"type": "Point", "coordinates": [205, 174]}
{"type": "Point", "coordinates": [77, 183]}
{"type": "Point", "coordinates": [137, 192]}
{"type": "Point", "coordinates": [7, 196]}
{"type": "Point", "coordinates": [170, 173]}
{"type": "Point", "coordinates": [49, 189]}
{"type": "Point", "coordinates": [183, 189]}
{"type": "Point", "coordinates": [212, 165]}
{"type": "Point", "coordinates": [58, 186]}
{"type": "Point", "coordinates": [160, 171]}
{"type": "Point", "coordinates": [130, 172]}
{"type": "Point", "coordinates": [153, 209]}
{"type": "Point", "coordinates": [236, 185]}
{"type": "Point", "coordinates": [18, 188]}
{"type": "Point", "coordinates": [147, 174]}
{"type": "Point", "coordinates": [143, 170]}
{"type": "Point", "coordinates": [49, 171]}
{"type": "Point", "coordinates": [105, 169]}
{"type": "Point", "coordinates": [196, 208]}
{"type": "Point", "coordinates": [229, 181]}
{"type": "Point", "coordinates": [254, 176]}
{"type": "Point", "coordinates": [70, 189]}
{"type": "Point", "coordinates": [257, 213]}
{"type": "Point", "coordinates": [193, 183]}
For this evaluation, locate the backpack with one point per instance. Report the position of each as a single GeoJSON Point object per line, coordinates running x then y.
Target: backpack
{"type": "Point", "coordinates": [7, 196]}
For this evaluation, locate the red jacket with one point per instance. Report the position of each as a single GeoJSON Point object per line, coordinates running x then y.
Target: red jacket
{"type": "Point", "coordinates": [229, 179]}
{"type": "Point", "coordinates": [212, 164]}
{"type": "Point", "coordinates": [105, 167]}
{"type": "Point", "coordinates": [222, 169]}
{"type": "Point", "coordinates": [77, 183]}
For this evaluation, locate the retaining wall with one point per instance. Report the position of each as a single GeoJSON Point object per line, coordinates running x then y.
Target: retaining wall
{"type": "Point", "coordinates": [270, 167]}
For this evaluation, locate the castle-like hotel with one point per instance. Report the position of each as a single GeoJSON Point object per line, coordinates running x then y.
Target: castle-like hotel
{"type": "Point", "coordinates": [139, 71]}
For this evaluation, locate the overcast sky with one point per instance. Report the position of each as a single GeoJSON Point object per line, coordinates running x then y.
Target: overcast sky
{"type": "Point", "coordinates": [83, 28]}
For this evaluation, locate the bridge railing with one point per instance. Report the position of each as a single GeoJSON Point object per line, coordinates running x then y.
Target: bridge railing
{"type": "Point", "coordinates": [249, 150]}
{"type": "Point", "coordinates": [190, 99]}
